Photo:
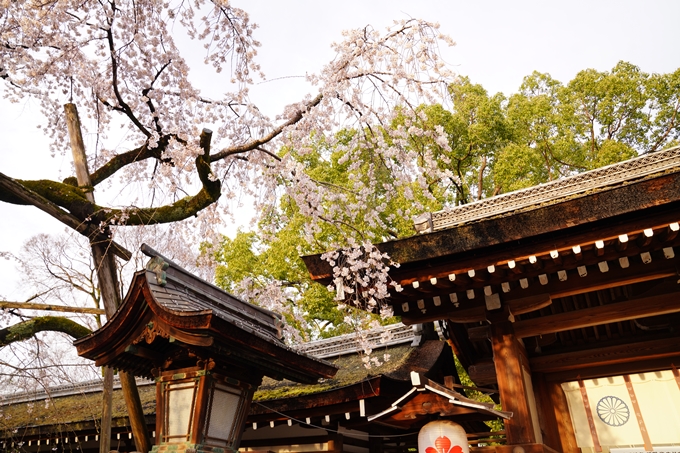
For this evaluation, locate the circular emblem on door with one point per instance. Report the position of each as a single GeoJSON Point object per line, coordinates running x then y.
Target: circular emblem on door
{"type": "Point", "coordinates": [613, 411]}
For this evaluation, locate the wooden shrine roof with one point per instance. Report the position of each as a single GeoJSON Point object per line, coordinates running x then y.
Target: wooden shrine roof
{"type": "Point", "coordinates": [427, 397]}
{"type": "Point", "coordinates": [586, 267]}
{"type": "Point", "coordinates": [171, 315]}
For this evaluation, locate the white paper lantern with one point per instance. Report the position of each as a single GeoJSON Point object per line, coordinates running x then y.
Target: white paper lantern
{"type": "Point", "coordinates": [442, 436]}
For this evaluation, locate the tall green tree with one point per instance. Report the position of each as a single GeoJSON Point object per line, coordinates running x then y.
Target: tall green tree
{"type": "Point", "coordinates": [481, 146]}
{"type": "Point", "coordinates": [475, 128]}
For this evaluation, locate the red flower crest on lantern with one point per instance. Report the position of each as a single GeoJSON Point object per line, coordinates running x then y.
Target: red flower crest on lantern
{"type": "Point", "coordinates": [443, 445]}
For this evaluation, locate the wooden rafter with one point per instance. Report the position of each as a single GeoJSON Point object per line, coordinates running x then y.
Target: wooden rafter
{"type": "Point", "coordinates": [621, 311]}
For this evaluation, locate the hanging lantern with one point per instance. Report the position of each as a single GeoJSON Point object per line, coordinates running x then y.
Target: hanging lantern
{"type": "Point", "coordinates": [442, 436]}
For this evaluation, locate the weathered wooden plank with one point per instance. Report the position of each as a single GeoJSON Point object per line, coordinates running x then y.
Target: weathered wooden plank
{"type": "Point", "coordinates": [50, 307]}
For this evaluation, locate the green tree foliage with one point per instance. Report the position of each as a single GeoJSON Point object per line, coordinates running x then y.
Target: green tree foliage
{"type": "Point", "coordinates": [597, 119]}
{"type": "Point", "coordinates": [265, 266]}
{"type": "Point", "coordinates": [485, 145]}
{"type": "Point", "coordinates": [475, 128]}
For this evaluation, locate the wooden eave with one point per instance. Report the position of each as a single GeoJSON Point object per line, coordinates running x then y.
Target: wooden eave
{"type": "Point", "coordinates": [156, 322]}
{"type": "Point", "coordinates": [581, 220]}
{"type": "Point", "coordinates": [427, 398]}
{"type": "Point", "coordinates": [494, 255]}
{"type": "Point", "coordinates": [589, 280]}
{"type": "Point", "coordinates": [378, 391]}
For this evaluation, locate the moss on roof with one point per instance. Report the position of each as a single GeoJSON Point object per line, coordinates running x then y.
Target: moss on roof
{"type": "Point", "coordinates": [81, 411]}
{"type": "Point", "coordinates": [351, 370]}
{"type": "Point", "coordinates": [76, 409]}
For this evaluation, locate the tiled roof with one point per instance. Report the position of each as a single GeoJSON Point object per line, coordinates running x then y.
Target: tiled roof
{"type": "Point", "coordinates": [665, 161]}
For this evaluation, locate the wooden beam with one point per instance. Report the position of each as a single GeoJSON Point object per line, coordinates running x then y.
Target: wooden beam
{"type": "Point", "coordinates": [50, 307]}
{"type": "Point", "coordinates": [640, 365]}
{"type": "Point", "coordinates": [606, 356]}
{"type": "Point", "coordinates": [615, 312]}
{"type": "Point", "coordinates": [528, 304]}
{"type": "Point", "coordinates": [483, 373]}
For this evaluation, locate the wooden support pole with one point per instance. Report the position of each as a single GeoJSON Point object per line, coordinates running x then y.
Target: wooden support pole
{"type": "Point", "coordinates": [556, 423]}
{"type": "Point", "coordinates": [140, 433]}
{"type": "Point", "coordinates": [49, 307]}
{"type": "Point", "coordinates": [510, 370]}
{"type": "Point", "coordinates": [107, 404]}
{"type": "Point", "coordinates": [108, 286]}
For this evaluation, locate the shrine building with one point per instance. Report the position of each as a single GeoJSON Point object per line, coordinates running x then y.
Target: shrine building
{"type": "Point", "coordinates": [565, 297]}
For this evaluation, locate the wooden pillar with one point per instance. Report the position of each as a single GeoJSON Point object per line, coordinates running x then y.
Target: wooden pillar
{"type": "Point", "coordinates": [108, 287]}
{"type": "Point", "coordinates": [511, 366]}
{"type": "Point", "coordinates": [556, 423]}
{"type": "Point", "coordinates": [107, 404]}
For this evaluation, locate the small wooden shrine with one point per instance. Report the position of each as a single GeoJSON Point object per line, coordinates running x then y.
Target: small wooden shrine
{"type": "Point", "coordinates": [570, 280]}
{"type": "Point", "coordinates": [207, 350]}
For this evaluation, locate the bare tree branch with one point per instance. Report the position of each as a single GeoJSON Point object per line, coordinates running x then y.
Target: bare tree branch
{"type": "Point", "coordinates": [254, 144]}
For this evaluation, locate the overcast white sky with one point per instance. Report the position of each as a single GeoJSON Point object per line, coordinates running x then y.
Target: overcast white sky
{"type": "Point", "coordinates": [498, 43]}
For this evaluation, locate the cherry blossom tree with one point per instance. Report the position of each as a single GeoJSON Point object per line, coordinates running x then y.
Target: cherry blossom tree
{"type": "Point", "coordinates": [163, 150]}
{"type": "Point", "coordinates": [124, 65]}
